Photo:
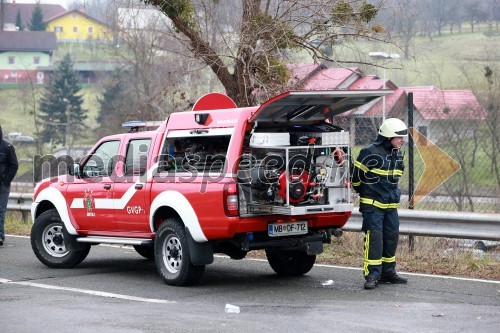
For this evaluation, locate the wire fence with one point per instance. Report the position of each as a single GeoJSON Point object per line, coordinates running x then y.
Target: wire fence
{"type": "Point", "coordinates": [456, 154]}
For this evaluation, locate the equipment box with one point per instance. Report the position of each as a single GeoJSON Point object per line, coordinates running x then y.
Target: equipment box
{"type": "Point", "coordinates": [269, 139]}
{"type": "Point", "coordinates": [329, 138]}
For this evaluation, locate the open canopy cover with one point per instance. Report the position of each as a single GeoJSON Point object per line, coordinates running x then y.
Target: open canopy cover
{"type": "Point", "coordinates": [313, 105]}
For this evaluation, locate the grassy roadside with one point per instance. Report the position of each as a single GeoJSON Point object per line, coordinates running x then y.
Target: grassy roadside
{"type": "Point", "coordinates": [430, 256]}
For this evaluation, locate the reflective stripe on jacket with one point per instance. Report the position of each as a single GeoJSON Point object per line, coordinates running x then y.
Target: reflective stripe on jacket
{"type": "Point", "coordinates": [376, 175]}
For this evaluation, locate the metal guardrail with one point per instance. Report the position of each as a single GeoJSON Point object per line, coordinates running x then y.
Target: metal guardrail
{"type": "Point", "coordinates": [412, 222]}
{"type": "Point", "coordinates": [464, 225]}
{"type": "Point", "coordinates": [20, 202]}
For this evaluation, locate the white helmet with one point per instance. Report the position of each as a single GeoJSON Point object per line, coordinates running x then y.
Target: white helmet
{"type": "Point", "coordinates": [393, 127]}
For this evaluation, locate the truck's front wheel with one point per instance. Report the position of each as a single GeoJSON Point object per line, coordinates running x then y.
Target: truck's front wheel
{"type": "Point", "coordinates": [172, 255]}
{"type": "Point", "coordinates": [289, 262]}
{"type": "Point", "coordinates": [47, 242]}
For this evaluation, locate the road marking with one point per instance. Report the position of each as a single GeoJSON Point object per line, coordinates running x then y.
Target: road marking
{"type": "Point", "coordinates": [344, 267]}
{"type": "Point", "coordinates": [89, 292]}
{"type": "Point", "coordinates": [402, 273]}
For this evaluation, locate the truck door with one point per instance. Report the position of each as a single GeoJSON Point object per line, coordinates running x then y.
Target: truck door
{"type": "Point", "coordinates": [130, 190]}
{"type": "Point", "coordinates": [90, 197]}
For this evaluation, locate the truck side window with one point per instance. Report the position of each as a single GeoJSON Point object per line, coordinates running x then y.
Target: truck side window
{"type": "Point", "coordinates": [194, 154]}
{"type": "Point", "coordinates": [102, 162]}
{"type": "Point", "coordinates": [137, 157]}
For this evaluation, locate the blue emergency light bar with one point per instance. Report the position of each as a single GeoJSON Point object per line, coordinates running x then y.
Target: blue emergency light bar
{"type": "Point", "coordinates": [135, 125]}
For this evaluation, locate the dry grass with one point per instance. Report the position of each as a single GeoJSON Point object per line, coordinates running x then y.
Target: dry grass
{"type": "Point", "coordinates": [14, 224]}
{"type": "Point", "coordinates": [430, 255]}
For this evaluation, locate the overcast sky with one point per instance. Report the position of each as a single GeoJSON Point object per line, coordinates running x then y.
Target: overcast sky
{"type": "Point", "coordinates": [63, 3]}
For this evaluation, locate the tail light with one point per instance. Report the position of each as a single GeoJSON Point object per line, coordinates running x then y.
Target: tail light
{"type": "Point", "coordinates": [231, 204]}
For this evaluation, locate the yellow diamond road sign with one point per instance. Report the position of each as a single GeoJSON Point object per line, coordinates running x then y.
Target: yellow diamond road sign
{"type": "Point", "coordinates": [438, 167]}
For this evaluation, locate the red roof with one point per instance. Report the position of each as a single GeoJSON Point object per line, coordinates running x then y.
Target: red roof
{"type": "Point", "coordinates": [433, 103]}
{"type": "Point", "coordinates": [367, 82]}
{"type": "Point", "coordinates": [330, 78]}
{"type": "Point", "coordinates": [430, 102]}
{"type": "Point", "coordinates": [301, 72]}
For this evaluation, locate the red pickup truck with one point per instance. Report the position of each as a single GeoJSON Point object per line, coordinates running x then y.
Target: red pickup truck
{"type": "Point", "coordinates": [218, 179]}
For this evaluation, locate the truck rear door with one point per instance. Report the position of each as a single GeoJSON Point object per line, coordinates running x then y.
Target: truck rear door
{"type": "Point", "coordinates": [313, 105]}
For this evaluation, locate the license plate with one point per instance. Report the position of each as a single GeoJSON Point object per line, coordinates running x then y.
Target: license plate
{"type": "Point", "coordinates": [287, 228]}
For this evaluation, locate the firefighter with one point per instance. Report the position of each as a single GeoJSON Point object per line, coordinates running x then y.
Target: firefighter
{"type": "Point", "coordinates": [376, 174]}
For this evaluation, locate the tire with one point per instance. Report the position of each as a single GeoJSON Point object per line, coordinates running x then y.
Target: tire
{"type": "Point", "coordinates": [146, 251]}
{"type": "Point", "coordinates": [289, 263]}
{"type": "Point", "coordinates": [172, 256]}
{"type": "Point", "coordinates": [47, 242]}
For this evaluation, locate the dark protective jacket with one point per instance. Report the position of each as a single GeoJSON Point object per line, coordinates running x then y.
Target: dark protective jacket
{"type": "Point", "coordinates": [8, 161]}
{"type": "Point", "coordinates": [376, 175]}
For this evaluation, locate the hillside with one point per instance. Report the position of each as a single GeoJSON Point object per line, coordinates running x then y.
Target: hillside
{"type": "Point", "coordinates": [435, 62]}
{"type": "Point", "coordinates": [439, 62]}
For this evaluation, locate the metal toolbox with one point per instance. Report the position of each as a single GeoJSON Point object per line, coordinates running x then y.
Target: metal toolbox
{"type": "Point", "coordinates": [329, 138]}
{"type": "Point", "coordinates": [269, 139]}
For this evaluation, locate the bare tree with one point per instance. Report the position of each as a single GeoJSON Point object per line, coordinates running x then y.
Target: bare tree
{"type": "Point", "coordinates": [402, 18]}
{"type": "Point", "coordinates": [488, 94]}
{"type": "Point", "coordinates": [474, 12]}
{"type": "Point", "coordinates": [246, 43]}
{"type": "Point", "coordinates": [491, 102]}
{"type": "Point", "coordinates": [458, 131]}
{"type": "Point", "coordinates": [153, 76]}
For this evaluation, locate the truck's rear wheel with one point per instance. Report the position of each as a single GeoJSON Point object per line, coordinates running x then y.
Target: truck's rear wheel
{"type": "Point", "coordinates": [289, 263]}
{"type": "Point", "coordinates": [47, 242]}
{"type": "Point", "coordinates": [172, 255]}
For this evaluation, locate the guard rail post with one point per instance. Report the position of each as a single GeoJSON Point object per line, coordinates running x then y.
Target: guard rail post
{"type": "Point", "coordinates": [21, 202]}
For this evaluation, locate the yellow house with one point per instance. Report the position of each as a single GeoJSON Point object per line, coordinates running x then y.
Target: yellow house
{"type": "Point", "coordinates": [75, 25]}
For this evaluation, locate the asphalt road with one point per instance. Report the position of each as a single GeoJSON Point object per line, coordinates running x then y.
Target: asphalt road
{"type": "Point", "coordinates": [116, 290]}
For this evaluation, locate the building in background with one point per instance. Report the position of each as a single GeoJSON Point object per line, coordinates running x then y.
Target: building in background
{"type": "Point", "coordinates": [77, 26]}
{"type": "Point", "coordinates": [432, 106]}
{"type": "Point", "coordinates": [10, 11]}
{"type": "Point", "coordinates": [25, 56]}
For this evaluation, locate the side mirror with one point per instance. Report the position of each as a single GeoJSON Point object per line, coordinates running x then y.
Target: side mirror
{"type": "Point", "coordinates": [74, 170]}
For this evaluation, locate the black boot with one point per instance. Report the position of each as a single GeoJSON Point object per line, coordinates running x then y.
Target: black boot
{"type": "Point", "coordinates": [396, 279]}
{"type": "Point", "coordinates": [371, 283]}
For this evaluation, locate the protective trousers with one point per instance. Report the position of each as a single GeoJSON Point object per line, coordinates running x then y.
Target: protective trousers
{"type": "Point", "coordinates": [381, 228]}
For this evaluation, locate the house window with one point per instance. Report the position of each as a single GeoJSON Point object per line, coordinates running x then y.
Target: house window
{"type": "Point", "coordinates": [36, 60]}
{"type": "Point", "coordinates": [58, 28]}
{"type": "Point", "coordinates": [12, 60]}
{"type": "Point", "coordinates": [13, 74]}
{"type": "Point", "coordinates": [91, 30]}
{"type": "Point", "coordinates": [75, 29]}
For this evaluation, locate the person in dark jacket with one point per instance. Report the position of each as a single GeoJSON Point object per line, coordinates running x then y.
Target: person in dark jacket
{"type": "Point", "coordinates": [8, 169]}
{"type": "Point", "coordinates": [375, 177]}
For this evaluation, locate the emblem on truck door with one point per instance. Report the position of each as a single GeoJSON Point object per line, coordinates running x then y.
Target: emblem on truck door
{"type": "Point", "coordinates": [89, 203]}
